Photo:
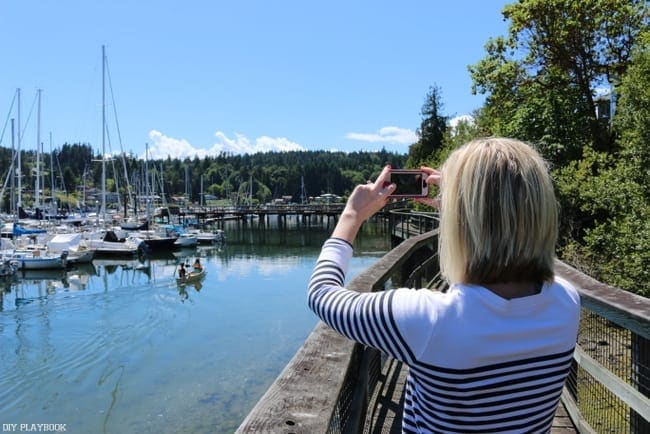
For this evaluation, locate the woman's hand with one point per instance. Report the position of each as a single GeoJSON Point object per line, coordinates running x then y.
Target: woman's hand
{"type": "Point", "coordinates": [365, 201]}
{"type": "Point", "coordinates": [434, 178]}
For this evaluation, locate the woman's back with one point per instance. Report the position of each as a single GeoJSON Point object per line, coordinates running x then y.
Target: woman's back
{"type": "Point", "coordinates": [488, 363]}
{"type": "Point", "coordinates": [477, 362]}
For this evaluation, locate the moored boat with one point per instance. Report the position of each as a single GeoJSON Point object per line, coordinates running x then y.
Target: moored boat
{"type": "Point", "coordinates": [71, 242]}
{"type": "Point", "coordinates": [109, 243]}
{"type": "Point", "coordinates": [33, 260]}
{"type": "Point", "coordinates": [204, 237]}
{"type": "Point", "coordinates": [186, 240]}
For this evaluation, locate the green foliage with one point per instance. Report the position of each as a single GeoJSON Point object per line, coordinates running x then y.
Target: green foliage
{"type": "Point", "coordinates": [633, 115]}
{"type": "Point", "coordinates": [540, 79]}
{"type": "Point", "coordinates": [273, 174]}
{"type": "Point", "coordinates": [606, 196]}
{"type": "Point", "coordinates": [606, 220]}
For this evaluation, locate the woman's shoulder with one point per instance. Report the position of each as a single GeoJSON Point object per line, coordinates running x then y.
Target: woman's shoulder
{"type": "Point", "coordinates": [560, 284]}
{"type": "Point", "coordinates": [426, 301]}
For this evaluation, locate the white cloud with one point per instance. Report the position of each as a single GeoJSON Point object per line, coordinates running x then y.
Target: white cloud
{"type": "Point", "coordinates": [390, 134]}
{"type": "Point", "coordinates": [164, 146]}
{"type": "Point", "coordinates": [462, 118]}
{"type": "Point", "coordinates": [453, 123]}
{"type": "Point", "coordinates": [240, 144]}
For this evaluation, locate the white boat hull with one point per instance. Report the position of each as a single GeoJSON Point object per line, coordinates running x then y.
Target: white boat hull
{"type": "Point", "coordinates": [186, 240]}
{"type": "Point", "coordinates": [55, 263]}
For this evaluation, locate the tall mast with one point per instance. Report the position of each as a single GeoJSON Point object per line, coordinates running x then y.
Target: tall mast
{"type": "Point", "coordinates": [13, 169]}
{"type": "Point", "coordinates": [146, 181]}
{"type": "Point", "coordinates": [202, 202]}
{"type": "Point", "coordinates": [103, 212]}
{"type": "Point", "coordinates": [37, 181]}
{"type": "Point", "coordinates": [54, 207]}
{"type": "Point", "coordinates": [19, 164]}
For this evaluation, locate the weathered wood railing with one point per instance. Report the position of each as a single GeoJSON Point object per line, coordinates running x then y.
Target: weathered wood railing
{"type": "Point", "coordinates": [326, 387]}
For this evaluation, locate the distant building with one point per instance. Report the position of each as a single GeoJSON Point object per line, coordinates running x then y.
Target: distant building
{"type": "Point", "coordinates": [605, 103]}
{"type": "Point", "coordinates": [328, 198]}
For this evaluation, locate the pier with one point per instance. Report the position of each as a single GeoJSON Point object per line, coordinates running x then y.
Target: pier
{"type": "Point", "coordinates": [333, 385]}
{"type": "Point", "coordinates": [262, 213]}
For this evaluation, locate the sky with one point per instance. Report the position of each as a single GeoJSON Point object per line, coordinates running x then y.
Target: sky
{"type": "Point", "coordinates": [195, 78]}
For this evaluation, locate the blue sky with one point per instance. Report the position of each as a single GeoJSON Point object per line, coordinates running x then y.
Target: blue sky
{"type": "Point", "coordinates": [199, 77]}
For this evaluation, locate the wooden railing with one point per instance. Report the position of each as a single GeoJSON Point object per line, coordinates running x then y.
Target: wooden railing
{"type": "Point", "coordinates": [326, 387]}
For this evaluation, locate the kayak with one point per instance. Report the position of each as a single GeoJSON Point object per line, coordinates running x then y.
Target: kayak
{"type": "Point", "coordinates": [192, 276]}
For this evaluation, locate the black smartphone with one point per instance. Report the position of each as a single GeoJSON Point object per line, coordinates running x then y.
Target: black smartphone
{"type": "Point", "coordinates": [410, 183]}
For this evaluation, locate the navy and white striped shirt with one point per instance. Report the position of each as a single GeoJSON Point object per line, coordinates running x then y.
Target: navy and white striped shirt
{"type": "Point", "coordinates": [478, 363]}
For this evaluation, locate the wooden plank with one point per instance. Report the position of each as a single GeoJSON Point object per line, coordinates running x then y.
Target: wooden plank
{"type": "Point", "coordinates": [627, 309]}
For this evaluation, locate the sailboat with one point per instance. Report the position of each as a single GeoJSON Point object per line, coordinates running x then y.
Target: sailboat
{"type": "Point", "coordinates": [160, 238]}
{"type": "Point", "coordinates": [105, 241]}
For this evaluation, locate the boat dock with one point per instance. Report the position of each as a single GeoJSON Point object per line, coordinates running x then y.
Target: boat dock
{"type": "Point", "coordinates": [207, 215]}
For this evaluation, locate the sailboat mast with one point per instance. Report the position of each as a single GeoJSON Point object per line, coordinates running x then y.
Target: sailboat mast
{"type": "Point", "coordinates": [146, 181]}
{"type": "Point", "coordinates": [37, 181]}
{"type": "Point", "coordinates": [54, 207]}
{"type": "Point", "coordinates": [103, 212]}
{"type": "Point", "coordinates": [13, 169]}
{"type": "Point", "coordinates": [19, 164]}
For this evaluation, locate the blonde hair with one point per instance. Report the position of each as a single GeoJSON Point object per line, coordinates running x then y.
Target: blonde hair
{"type": "Point", "coordinates": [498, 219]}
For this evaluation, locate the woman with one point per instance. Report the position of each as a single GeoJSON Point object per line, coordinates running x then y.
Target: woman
{"type": "Point", "coordinates": [492, 353]}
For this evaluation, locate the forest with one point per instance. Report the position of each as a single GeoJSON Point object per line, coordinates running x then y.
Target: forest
{"type": "Point", "coordinates": [273, 174]}
{"type": "Point", "coordinates": [571, 77]}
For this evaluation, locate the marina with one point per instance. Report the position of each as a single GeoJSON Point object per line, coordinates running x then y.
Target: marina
{"type": "Point", "coordinates": [119, 345]}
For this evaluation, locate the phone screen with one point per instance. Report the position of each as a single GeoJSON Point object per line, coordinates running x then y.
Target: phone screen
{"type": "Point", "coordinates": [409, 183]}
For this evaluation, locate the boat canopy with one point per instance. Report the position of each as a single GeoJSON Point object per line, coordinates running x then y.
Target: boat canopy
{"type": "Point", "coordinates": [19, 230]}
{"type": "Point", "coordinates": [62, 242]}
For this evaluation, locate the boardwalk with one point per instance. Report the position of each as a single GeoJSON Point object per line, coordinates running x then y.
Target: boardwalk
{"type": "Point", "coordinates": [333, 385]}
{"type": "Point", "coordinates": [386, 418]}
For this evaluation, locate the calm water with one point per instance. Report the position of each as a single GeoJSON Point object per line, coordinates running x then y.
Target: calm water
{"type": "Point", "coordinates": [119, 347]}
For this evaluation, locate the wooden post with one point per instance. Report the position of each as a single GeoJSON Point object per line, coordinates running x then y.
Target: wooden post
{"type": "Point", "coordinates": [640, 379]}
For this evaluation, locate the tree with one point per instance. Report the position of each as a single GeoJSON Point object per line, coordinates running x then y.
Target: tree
{"type": "Point", "coordinates": [606, 196]}
{"type": "Point", "coordinates": [432, 128]}
{"type": "Point", "coordinates": [540, 79]}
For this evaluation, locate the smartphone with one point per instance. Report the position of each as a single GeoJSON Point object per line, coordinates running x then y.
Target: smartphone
{"type": "Point", "coordinates": [410, 183]}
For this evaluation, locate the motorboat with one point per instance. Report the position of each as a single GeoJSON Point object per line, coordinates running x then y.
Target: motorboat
{"type": "Point", "coordinates": [71, 242]}
{"type": "Point", "coordinates": [36, 259]}
{"type": "Point", "coordinates": [204, 237]}
{"type": "Point", "coordinates": [186, 239]}
{"type": "Point", "coordinates": [111, 245]}
{"type": "Point", "coordinates": [156, 240]}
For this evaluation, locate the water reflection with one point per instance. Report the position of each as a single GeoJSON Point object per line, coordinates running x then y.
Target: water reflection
{"type": "Point", "coordinates": [119, 346]}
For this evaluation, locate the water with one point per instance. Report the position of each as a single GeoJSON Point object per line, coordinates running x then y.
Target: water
{"type": "Point", "coordinates": [119, 347]}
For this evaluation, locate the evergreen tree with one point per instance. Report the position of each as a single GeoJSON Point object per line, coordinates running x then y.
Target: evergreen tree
{"type": "Point", "coordinates": [432, 128]}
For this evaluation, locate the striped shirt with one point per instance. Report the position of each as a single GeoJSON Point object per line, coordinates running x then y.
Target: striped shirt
{"type": "Point", "coordinates": [478, 363]}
